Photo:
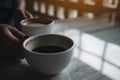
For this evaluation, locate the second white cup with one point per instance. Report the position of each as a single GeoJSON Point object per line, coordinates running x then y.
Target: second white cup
{"type": "Point", "coordinates": [37, 26]}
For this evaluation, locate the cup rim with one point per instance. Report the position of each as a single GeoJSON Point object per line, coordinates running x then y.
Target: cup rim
{"type": "Point", "coordinates": [54, 53]}
{"type": "Point", "coordinates": [32, 19]}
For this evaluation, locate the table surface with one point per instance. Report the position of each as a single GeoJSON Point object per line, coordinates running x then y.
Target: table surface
{"type": "Point", "coordinates": [20, 70]}
{"type": "Point", "coordinates": [80, 30]}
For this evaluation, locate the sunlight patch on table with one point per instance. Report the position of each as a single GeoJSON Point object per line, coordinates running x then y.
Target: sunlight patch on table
{"type": "Point", "coordinates": [113, 54]}
{"type": "Point", "coordinates": [92, 44]}
{"type": "Point", "coordinates": [111, 71]}
{"type": "Point", "coordinates": [91, 60]}
{"type": "Point", "coordinates": [76, 52]}
{"type": "Point", "coordinates": [75, 35]}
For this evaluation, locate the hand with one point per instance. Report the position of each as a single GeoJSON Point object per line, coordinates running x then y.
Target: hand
{"type": "Point", "coordinates": [11, 41]}
{"type": "Point", "coordinates": [21, 14]}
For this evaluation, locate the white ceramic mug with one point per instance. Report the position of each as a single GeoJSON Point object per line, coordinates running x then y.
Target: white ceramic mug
{"type": "Point", "coordinates": [37, 26]}
{"type": "Point", "coordinates": [44, 62]}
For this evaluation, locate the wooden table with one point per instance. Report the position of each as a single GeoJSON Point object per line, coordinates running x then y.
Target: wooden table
{"type": "Point", "coordinates": [11, 69]}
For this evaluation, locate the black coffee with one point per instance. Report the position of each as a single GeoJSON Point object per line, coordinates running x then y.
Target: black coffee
{"type": "Point", "coordinates": [49, 49]}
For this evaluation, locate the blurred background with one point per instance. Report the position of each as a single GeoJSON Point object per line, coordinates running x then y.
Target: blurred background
{"type": "Point", "coordinates": [62, 9]}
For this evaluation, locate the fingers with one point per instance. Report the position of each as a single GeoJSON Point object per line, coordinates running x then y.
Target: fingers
{"type": "Point", "coordinates": [21, 36]}
{"type": "Point", "coordinates": [10, 37]}
{"type": "Point", "coordinates": [28, 14]}
{"type": "Point", "coordinates": [20, 15]}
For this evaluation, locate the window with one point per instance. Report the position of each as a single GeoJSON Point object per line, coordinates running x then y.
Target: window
{"type": "Point", "coordinates": [110, 3]}
{"type": "Point", "coordinates": [89, 2]}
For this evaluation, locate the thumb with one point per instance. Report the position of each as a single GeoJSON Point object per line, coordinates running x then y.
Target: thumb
{"type": "Point", "coordinates": [28, 14]}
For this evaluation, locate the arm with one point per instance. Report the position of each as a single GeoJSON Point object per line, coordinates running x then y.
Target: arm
{"type": "Point", "coordinates": [11, 38]}
{"type": "Point", "coordinates": [21, 12]}
{"type": "Point", "coordinates": [20, 4]}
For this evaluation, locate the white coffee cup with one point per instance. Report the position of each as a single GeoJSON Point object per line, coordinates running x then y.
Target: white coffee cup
{"type": "Point", "coordinates": [48, 63]}
{"type": "Point", "coordinates": [37, 26]}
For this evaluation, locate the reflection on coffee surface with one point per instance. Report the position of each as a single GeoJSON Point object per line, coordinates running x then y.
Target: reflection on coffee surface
{"type": "Point", "coordinates": [48, 49]}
